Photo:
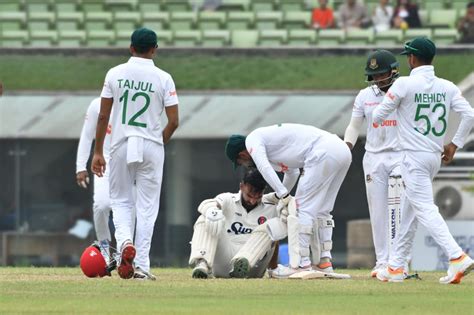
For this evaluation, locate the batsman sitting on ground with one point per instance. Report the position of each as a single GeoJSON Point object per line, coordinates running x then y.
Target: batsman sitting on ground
{"type": "Point", "coordinates": [423, 102]}
{"type": "Point", "coordinates": [139, 92]}
{"type": "Point", "coordinates": [325, 159]}
{"type": "Point", "coordinates": [232, 227]}
{"type": "Point", "coordinates": [382, 157]}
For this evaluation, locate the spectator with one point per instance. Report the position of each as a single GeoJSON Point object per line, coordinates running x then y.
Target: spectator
{"type": "Point", "coordinates": [323, 16]}
{"type": "Point", "coordinates": [211, 5]}
{"type": "Point", "coordinates": [382, 15]}
{"type": "Point", "coordinates": [466, 25]}
{"type": "Point", "coordinates": [406, 15]}
{"type": "Point", "coordinates": [352, 15]}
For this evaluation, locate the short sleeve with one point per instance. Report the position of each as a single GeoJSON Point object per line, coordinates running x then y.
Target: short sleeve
{"type": "Point", "coordinates": [170, 96]}
{"type": "Point", "coordinates": [107, 88]}
{"type": "Point", "coordinates": [358, 108]}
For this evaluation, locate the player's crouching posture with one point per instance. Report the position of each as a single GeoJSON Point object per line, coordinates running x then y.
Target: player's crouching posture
{"type": "Point", "coordinates": [230, 237]}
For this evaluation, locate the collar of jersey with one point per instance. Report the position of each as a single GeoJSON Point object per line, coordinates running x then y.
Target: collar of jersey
{"type": "Point", "coordinates": [422, 70]}
{"type": "Point", "coordinates": [141, 61]}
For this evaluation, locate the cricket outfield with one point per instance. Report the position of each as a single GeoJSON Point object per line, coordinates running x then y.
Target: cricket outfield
{"type": "Point", "coordinates": [68, 291]}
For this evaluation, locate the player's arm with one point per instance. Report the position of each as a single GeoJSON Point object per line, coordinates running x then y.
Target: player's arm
{"type": "Point", "coordinates": [290, 178]}
{"type": "Point", "coordinates": [259, 156]}
{"type": "Point", "coordinates": [173, 122]}
{"type": "Point", "coordinates": [84, 147]}
{"type": "Point", "coordinates": [357, 119]}
{"type": "Point", "coordinates": [98, 163]}
{"type": "Point", "coordinates": [461, 106]}
{"type": "Point", "coordinates": [390, 102]}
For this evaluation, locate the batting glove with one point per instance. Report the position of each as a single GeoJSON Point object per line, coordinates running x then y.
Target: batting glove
{"type": "Point", "coordinates": [215, 221]}
{"type": "Point", "coordinates": [282, 207]}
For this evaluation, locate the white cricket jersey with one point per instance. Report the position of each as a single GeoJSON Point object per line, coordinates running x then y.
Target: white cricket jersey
{"type": "Point", "coordinates": [140, 91]}
{"type": "Point", "coordinates": [88, 135]}
{"type": "Point", "coordinates": [238, 222]}
{"type": "Point", "coordinates": [380, 137]}
{"type": "Point", "coordinates": [284, 148]}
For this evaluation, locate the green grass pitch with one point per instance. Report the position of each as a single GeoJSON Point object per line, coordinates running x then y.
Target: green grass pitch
{"type": "Point", "coordinates": [67, 291]}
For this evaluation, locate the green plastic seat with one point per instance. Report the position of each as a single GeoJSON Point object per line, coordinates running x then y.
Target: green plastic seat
{"type": "Point", "coordinates": [176, 5]}
{"type": "Point", "coordinates": [40, 20]}
{"type": "Point", "coordinates": [292, 5]}
{"type": "Point", "coordinates": [66, 6]}
{"type": "Point", "coordinates": [240, 20]}
{"type": "Point", "coordinates": [42, 38]}
{"type": "Point", "coordinates": [268, 20]}
{"type": "Point", "coordinates": [97, 21]}
{"type": "Point", "coordinates": [296, 19]}
{"type": "Point", "coordinates": [127, 20]}
{"type": "Point", "coordinates": [273, 38]}
{"type": "Point", "coordinates": [215, 38]}
{"type": "Point", "coordinates": [149, 6]}
{"type": "Point", "coordinates": [433, 4]}
{"type": "Point", "coordinates": [12, 21]}
{"type": "Point", "coordinates": [389, 37]}
{"type": "Point", "coordinates": [182, 20]}
{"type": "Point", "coordinates": [263, 5]}
{"type": "Point", "coordinates": [100, 38]}
{"type": "Point", "coordinates": [38, 5]}
{"type": "Point", "coordinates": [71, 38]}
{"type": "Point", "coordinates": [302, 38]}
{"type": "Point", "coordinates": [244, 38]}
{"type": "Point", "coordinates": [235, 5]}
{"type": "Point", "coordinates": [360, 36]}
{"type": "Point", "coordinates": [11, 5]}
{"type": "Point", "coordinates": [444, 36]}
{"type": "Point", "coordinates": [330, 37]}
{"type": "Point", "coordinates": [92, 5]}
{"type": "Point", "coordinates": [417, 32]}
{"type": "Point", "coordinates": [69, 21]}
{"type": "Point", "coordinates": [185, 38]}
{"type": "Point", "coordinates": [14, 38]}
{"type": "Point", "coordinates": [458, 4]}
{"type": "Point", "coordinates": [121, 5]}
{"type": "Point", "coordinates": [424, 17]}
{"type": "Point", "coordinates": [443, 18]}
{"type": "Point", "coordinates": [156, 20]}
{"type": "Point", "coordinates": [211, 20]}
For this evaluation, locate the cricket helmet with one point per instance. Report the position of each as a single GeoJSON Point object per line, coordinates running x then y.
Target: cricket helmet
{"type": "Point", "coordinates": [93, 263]}
{"type": "Point", "coordinates": [381, 61]}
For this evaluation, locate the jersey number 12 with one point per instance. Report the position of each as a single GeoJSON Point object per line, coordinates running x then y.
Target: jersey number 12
{"type": "Point", "coordinates": [132, 121]}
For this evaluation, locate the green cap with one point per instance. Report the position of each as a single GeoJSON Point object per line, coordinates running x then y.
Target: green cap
{"type": "Point", "coordinates": [144, 38]}
{"type": "Point", "coordinates": [420, 46]}
{"type": "Point", "coordinates": [234, 146]}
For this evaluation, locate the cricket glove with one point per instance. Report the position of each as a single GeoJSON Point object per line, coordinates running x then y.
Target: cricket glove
{"type": "Point", "coordinates": [215, 221]}
{"type": "Point", "coordinates": [282, 207]}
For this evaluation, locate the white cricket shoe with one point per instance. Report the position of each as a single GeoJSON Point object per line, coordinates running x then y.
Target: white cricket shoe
{"type": "Point", "coordinates": [325, 265]}
{"type": "Point", "coordinates": [388, 274]}
{"type": "Point", "coordinates": [141, 274]}
{"type": "Point", "coordinates": [458, 268]}
{"type": "Point", "coordinates": [104, 246]}
{"type": "Point", "coordinates": [201, 270]}
{"type": "Point", "coordinates": [376, 269]}
{"type": "Point", "coordinates": [283, 272]}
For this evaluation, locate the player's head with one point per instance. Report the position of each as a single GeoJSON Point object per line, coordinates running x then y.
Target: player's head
{"type": "Point", "coordinates": [252, 187]}
{"type": "Point", "coordinates": [143, 42]}
{"type": "Point", "coordinates": [419, 51]}
{"type": "Point", "coordinates": [382, 69]}
{"type": "Point", "coordinates": [93, 263]}
{"type": "Point", "coordinates": [237, 152]}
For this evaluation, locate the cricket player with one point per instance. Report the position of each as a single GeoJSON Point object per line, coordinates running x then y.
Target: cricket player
{"type": "Point", "coordinates": [423, 102]}
{"type": "Point", "coordinates": [101, 205]}
{"type": "Point", "coordinates": [231, 228]}
{"type": "Point", "coordinates": [139, 92]}
{"type": "Point", "coordinates": [382, 157]}
{"type": "Point", "coordinates": [324, 158]}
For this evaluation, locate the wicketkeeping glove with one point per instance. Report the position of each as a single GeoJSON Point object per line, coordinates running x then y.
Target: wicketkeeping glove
{"type": "Point", "coordinates": [282, 207]}
{"type": "Point", "coordinates": [215, 221]}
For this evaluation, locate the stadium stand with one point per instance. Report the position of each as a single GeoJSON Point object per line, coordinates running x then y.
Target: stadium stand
{"type": "Point", "coordinates": [181, 23]}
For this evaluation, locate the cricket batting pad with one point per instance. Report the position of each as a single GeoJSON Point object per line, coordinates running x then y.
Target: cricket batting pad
{"type": "Point", "coordinates": [203, 244]}
{"type": "Point", "coordinates": [256, 246]}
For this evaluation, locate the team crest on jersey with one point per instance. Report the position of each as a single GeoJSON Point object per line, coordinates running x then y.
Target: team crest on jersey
{"type": "Point", "coordinates": [261, 220]}
{"type": "Point", "coordinates": [373, 64]}
{"type": "Point", "coordinates": [368, 178]}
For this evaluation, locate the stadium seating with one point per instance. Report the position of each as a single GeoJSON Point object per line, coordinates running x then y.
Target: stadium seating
{"type": "Point", "coordinates": [288, 23]}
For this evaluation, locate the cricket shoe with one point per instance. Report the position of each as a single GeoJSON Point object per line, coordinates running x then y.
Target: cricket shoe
{"type": "Point", "coordinates": [284, 272]}
{"type": "Point", "coordinates": [125, 269]}
{"type": "Point", "coordinates": [376, 269]}
{"type": "Point", "coordinates": [105, 250]}
{"type": "Point", "coordinates": [141, 274]}
{"type": "Point", "coordinates": [201, 270]}
{"type": "Point", "coordinates": [458, 268]}
{"type": "Point", "coordinates": [325, 265]}
{"type": "Point", "coordinates": [389, 274]}
{"type": "Point", "coordinates": [240, 268]}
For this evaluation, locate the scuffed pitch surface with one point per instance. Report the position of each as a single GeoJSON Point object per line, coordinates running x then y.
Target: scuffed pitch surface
{"type": "Point", "coordinates": [67, 291]}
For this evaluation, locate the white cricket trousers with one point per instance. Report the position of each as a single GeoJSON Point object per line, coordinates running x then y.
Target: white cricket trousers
{"type": "Point", "coordinates": [102, 207]}
{"type": "Point", "coordinates": [148, 176]}
{"type": "Point", "coordinates": [377, 169]}
{"type": "Point", "coordinates": [418, 169]}
{"type": "Point", "coordinates": [318, 187]}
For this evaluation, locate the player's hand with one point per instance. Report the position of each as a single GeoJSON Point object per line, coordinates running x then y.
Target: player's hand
{"type": "Point", "coordinates": [282, 207]}
{"type": "Point", "coordinates": [448, 153]}
{"type": "Point", "coordinates": [98, 165]}
{"type": "Point", "coordinates": [215, 221]}
{"type": "Point", "coordinates": [82, 179]}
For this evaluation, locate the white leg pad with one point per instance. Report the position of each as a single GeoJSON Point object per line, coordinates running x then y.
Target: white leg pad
{"type": "Point", "coordinates": [203, 244]}
{"type": "Point", "coordinates": [395, 188]}
{"type": "Point", "coordinates": [325, 227]}
{"type": "Point", "coordinates": [276, 229]}
{"type": "Point", "coordinates": [256, 246]}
